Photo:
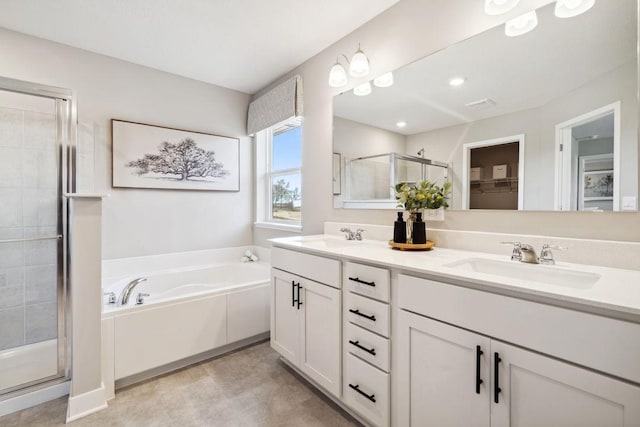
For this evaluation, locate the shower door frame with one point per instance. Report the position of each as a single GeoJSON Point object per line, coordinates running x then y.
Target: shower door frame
{"type": "Point", "coordinates": [66, 137]}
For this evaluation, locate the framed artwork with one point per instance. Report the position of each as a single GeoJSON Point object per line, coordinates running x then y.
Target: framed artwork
{"type": "Point", "coordinates": [147, 156]}
{"type": "Point", "coordinates": [337, 172]}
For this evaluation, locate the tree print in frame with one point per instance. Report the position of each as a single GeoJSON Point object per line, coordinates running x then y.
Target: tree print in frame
{"type": "Point", "coordinates": [147, 156]}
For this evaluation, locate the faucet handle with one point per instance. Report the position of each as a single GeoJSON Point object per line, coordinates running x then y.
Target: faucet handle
{"type": "Point", "coordinates": [140, 298]}
{"type": "Point", "coordinates": [349, 234]}
{"type": "Point", "coordinates": [111, 295]}
{"type": "Point", "coordinates": [358, 233]}
{"type": "Point", "coordinates": [516, 255]}
{"type": "Point", "coordinates": [546, 256]}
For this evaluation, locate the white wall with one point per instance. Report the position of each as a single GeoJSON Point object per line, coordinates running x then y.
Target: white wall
{"type": "Point", "coordinates": [144, 222]}
{"type": "Point", "coordinates": [404, 33]}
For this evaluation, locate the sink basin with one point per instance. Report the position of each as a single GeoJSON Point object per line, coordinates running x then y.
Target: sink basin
{"type": "Point", "coordinates": [328, 242]}
{"type": "Point", "coordinates": [547, 274]}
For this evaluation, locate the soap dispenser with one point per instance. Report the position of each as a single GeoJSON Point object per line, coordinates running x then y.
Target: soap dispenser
{"type": "Point", "coordinates": [400, 230]}
{"type": "Point", "coordinates": [419, 230]}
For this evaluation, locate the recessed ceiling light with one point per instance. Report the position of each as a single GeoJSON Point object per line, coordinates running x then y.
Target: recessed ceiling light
{"type": "Point", "coordinates": [571, 8]}
{"type": "Point", "coordinates": [457, 81]}
{"type": "Point", "coordinates": [521, 25]}
{"type": "Point", "coordinates": [498, 7]}
{"type": "Point", "coordinates": [401, 124]}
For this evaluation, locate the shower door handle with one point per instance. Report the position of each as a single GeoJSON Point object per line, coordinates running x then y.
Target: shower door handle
{"type": "Point", "coordinates": [32, 239]}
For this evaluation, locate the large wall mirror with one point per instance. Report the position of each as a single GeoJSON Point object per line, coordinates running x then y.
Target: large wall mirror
{"type": "Point", "coordinates": [544, 121]}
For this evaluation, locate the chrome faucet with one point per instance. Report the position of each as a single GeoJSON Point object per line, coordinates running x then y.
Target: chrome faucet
{"type": "Point", "coordinates": [546, 256]}
{"type": "Point", "coordinates": [126, 292]}
{"type": "Point", "coordinates": [352, 235]}
{"type": "Point", "coordinates": [529, 254]}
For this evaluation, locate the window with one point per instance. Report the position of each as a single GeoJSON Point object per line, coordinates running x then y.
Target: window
{"type": "Point", "coordinates": [279, 187]}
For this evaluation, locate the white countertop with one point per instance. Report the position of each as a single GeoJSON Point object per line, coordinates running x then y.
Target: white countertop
{"type": "Point", "coordinates": [616, 292]}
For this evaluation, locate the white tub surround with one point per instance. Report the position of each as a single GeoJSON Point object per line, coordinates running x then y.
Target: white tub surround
{"type": "Point", "coordinates": [200, 304]}
{"type": "Point", "coordinates": [87, 392]}
{"type": "Point", "coordinates": [564, 335]}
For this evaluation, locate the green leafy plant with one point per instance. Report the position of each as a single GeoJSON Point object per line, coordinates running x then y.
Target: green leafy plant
{"type": "Point", "coordinates": [422, 195]}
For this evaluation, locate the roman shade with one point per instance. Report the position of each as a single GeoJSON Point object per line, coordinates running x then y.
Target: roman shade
{"type": "Point", "coordinates": [280, 103]}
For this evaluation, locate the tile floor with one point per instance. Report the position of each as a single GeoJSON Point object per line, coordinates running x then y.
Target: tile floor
{"type": "Point", "coordinates": [249, 387]}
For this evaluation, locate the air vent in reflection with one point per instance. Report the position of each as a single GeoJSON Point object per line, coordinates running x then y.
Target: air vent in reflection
{"type": "Point", "coordinates": [481, 104]}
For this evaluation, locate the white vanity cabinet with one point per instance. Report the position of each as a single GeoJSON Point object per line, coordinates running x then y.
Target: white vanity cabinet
{"type": "Point", "coordinates": [451, 376]}
{"type": "Point", "coordinates": [306, 320]}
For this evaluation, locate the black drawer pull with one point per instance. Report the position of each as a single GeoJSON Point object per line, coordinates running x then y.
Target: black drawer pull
{"type": "Point", "coordinates": [298, 300]}
{"type": "Point", "coordinates": [357, 388]}
{"type": "Point", "coordinates": [358, 280]}
{"type": "Point", "coordinates": [293, 293]}
{"type": "Point", "coordinates": [371, 351]}
{"type": "Point", "coordinates": [372, 317]}
{"type": "Point", "coordinates": [479, 381]}
{"type": "Point", "coordinates": [496, 385]}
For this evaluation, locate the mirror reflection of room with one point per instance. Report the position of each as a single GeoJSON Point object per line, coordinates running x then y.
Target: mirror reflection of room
{"type": "Point", "coordinates": [555, 85]}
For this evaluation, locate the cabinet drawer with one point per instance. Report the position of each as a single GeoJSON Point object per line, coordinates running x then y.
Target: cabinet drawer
{"type": "Point", "coordinates": [367, 345]}
{"type": "Point", "coordinates": [366, 280]}
{"type": "Point", "coordinates": [320, 269]}
{"type": "Point", "coordinates": [365, 312]}
{"type": "Point", "coordinates": [366, 390]}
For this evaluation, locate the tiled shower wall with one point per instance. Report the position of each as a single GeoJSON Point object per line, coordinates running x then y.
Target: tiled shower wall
{"type": "Point", "coordinates": [28, 208]}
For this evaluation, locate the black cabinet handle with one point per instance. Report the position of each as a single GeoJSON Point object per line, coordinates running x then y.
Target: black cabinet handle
{"type": "Point", "coordinates": [496, 386]}
{"type": "Point", "coordinates": [371, 351]}
{"type": "Point", "coordinates": [358, 280]}
{"type": "Point", "coordinates": [293, 293]}
{"type": "Point", "coordinates": [298, 300]}
{"type": "Point", "coordinates": [357, 388]}
{"type": "Point", "coordinates": [479, 381]}
{"type": "Point", "coordinates": [372, 317]}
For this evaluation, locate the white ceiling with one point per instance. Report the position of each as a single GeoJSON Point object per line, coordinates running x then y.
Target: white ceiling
{"type": "Point", "coordinates": [518, 73]}
{"type": "Point", "coordinates": [238, 44]}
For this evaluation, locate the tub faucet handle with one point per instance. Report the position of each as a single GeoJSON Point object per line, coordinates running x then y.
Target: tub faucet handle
{"type": "Point", "coordinates": [112, 297]}
{"type": "Point", "coordinates": [140, 298]}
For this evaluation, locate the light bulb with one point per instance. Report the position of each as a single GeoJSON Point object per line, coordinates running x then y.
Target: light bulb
{"type": "Point", "coordinates": [521, 25]}
{"type": "Point", "coordinates": [401, 124]}
{"type": "Point", "coordinates": [337, 76]}
{"type": "Point", "coordinates": [384, 80]}
{"type": "Point", "coordinates": [362, 90]}
{"type": "Point", "coordinates": [571, 8]}
{"type": "Point", "coordinates": [359, 66]}
{"type": "Point", "coordinates": [498, 7]}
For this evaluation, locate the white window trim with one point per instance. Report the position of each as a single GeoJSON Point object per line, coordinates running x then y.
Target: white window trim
{"type": "Point", "coordinates": [264, 175]}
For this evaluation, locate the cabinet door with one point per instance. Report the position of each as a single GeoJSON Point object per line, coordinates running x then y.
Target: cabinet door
{"type": "Point", "coordinates": [536, 390]}
{"type": "Point", "coordinates": [320, 335]}
{"type": "Point", "coordinates": [284, 315]}
{"type": "Point", "coordinates": [443, 380]}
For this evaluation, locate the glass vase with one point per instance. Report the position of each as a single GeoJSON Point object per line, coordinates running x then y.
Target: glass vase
{"type": "Point", "coordinates": [410, 220]}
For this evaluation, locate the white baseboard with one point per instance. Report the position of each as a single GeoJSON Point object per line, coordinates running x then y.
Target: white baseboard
{"type": "Point", "coordinates": [86, 404]}
{"type": "Point", "coordinates": [34, 398]}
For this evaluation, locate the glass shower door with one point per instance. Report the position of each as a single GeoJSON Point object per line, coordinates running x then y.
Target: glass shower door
{"type": "Point", "coordinates": [32, 226]}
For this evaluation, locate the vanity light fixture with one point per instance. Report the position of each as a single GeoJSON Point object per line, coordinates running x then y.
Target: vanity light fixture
{"type": "Point", "coordinates": [571, 8]}
{"type": "Point", "coordinates": [337, 75]}
{"type": "Point", "coordinates": [363, 89]}
{"type": "Point", "coordinates": [358, 67]}
{"type": "Point", "coordinates": [521, 25]}
{"type": "Point", "coordinates": [401, 124]}
{"type": "Point", "coordinates": [457, 81]}
{"type": "Point", "coordinates": [384, 80]}
{"type": "Point", "coordinates": [498, 7]}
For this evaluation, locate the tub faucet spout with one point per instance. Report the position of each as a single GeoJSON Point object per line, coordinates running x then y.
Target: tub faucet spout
{"type": "Point", "coordinates": [126, 292]}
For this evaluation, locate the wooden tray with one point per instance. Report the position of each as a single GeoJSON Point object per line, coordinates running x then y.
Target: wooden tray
{"type": "Point", "coordinates": [412, 247]}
